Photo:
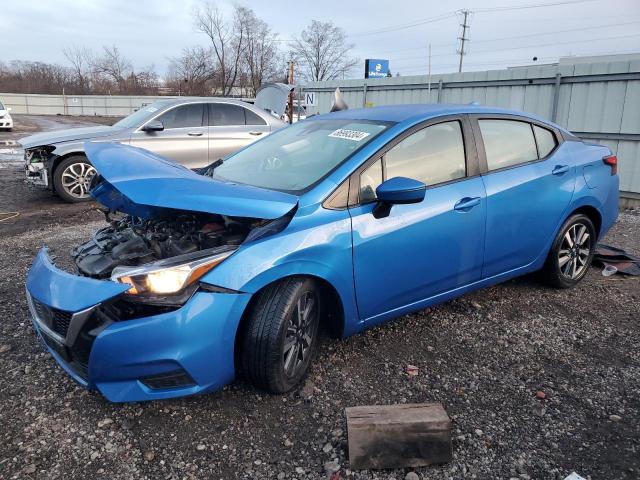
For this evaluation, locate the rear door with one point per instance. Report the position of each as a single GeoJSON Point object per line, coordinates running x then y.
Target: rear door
{"type": "Point", "coordinates": [232, 127]}
{"type": "Point", "coordinates": [421, 250]}
{"type": "Point", "coordinates": [184, 138]}
{"type": "Point", "coordinates": [529, 180]}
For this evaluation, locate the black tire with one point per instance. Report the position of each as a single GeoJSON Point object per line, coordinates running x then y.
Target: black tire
{"type": "Point", "coordinates": [566, 265]}
{"type": "Point", "coordinates": [272, 320]}
{"type": "Point", "coordinates": [77, 163]}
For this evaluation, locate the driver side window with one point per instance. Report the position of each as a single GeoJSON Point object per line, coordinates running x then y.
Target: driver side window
{"type": "Point", "coordinates": [431, 155]}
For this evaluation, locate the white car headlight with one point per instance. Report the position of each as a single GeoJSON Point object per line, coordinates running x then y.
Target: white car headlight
{"type": "Point", "coordinates": [168, 276]}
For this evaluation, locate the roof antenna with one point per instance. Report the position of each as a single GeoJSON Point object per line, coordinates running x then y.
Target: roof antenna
{"type": "Point", "coordinates": [338, 102]}
{"type": "Point", "coordinates": [475, 103]}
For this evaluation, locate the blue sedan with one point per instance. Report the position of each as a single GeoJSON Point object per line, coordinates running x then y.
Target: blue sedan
{"type": "Point", "coordinates": [340, 222]}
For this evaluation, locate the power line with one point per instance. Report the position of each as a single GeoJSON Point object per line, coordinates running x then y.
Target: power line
{"type": "Point", "coordinates": [405, 25]}
{"type": "Point", "coordinates": [524, 46]}
{"type": "Point", "coordinates": [452, 14]}
{"type": "Point", "coordinates": [535, 5]}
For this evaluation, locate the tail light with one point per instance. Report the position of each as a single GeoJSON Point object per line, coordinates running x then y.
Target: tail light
{"type": "Point", "coordinates": [612, 161]}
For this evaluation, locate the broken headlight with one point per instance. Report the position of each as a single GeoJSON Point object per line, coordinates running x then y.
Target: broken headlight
{"type": "Point", "coordinates": [169, 276]}
{"type": "Point", "coordinates": [38, 154]}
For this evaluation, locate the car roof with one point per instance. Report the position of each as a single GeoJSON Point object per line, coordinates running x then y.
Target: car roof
{"type": "Point", "coordinates": [177, 100]}
{"type": "Point", "coordinates": [417, 112]}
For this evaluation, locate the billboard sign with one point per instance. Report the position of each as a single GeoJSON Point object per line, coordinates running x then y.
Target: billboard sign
{"type": "Point", "coordinates": [375, 68]}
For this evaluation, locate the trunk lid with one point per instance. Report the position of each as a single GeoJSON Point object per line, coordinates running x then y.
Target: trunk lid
{"type": "Point", "coordinates": [141, 183]}
{"type": "Point", "coordinates": [273, 97]}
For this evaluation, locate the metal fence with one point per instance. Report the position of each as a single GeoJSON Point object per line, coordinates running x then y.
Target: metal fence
{"type": "Point", "coordinates": [596, 101]}
{"type": "Point", "coordinates": [104, 105]}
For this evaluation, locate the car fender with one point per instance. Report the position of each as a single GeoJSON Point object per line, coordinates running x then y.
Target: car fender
{"type": "Point", "coordinates": [323, 250]}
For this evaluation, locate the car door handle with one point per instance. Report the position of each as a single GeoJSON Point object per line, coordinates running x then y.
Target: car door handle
{"type": "Point", "coordinates": [466, 204]}
{"type": "Point", "coordinates": [560, 169]}
{"type": "Point", "coordinates": [255, 133]}
{"type": "Point", "coordinates": [195, 133]}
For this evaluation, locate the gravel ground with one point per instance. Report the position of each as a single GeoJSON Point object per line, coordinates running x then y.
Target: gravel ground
{"type": "Point", "coordinates": [487, 356]}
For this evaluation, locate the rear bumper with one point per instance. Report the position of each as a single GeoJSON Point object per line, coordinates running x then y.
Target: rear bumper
{"type": "Point", "coordinates": [182, 352]}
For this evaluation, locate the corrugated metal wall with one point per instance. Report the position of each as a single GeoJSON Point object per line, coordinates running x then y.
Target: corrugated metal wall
{"type": "Point", "coordinates": [598, 101]}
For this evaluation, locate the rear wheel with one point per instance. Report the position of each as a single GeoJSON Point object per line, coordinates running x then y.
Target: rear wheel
{"type": "Point", "coordinates": [72, 177]}
{"type": "Point", "coordinates": [571, 253]}
{"type": "Point", "coordinates": [281, 335]}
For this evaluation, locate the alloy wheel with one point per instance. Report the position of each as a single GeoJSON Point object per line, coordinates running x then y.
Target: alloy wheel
{"type": "Point", "coordinates": [300, 333]}
{"type": "Point", "coordinates": [76, 179]}
{"type": "Point", "coordinates": [573, 256]}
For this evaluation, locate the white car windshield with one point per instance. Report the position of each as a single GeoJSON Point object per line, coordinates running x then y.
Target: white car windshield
{"type": "Point", "coordinates": [294, 158]}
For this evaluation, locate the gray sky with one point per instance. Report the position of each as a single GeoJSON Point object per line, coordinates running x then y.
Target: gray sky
{"type": "Point", "coordinates": [152, 31]}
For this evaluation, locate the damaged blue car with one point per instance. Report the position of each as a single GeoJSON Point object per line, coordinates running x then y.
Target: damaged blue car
{"type": "Point", "coordinates": [338, 223]}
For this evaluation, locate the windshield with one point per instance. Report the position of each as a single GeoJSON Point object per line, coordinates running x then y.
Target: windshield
{"type": "Point", "coordinates": [1, 106]}
{"type": "Point", "coordinates": [296, 157]}
{"type": "Point", "coordinates": [139, 117]}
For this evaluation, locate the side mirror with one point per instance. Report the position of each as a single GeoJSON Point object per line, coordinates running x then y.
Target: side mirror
{"type": "Point", "coordinates": [153, 126]}
{"type": "Point", "coordinates": [8, 109]}
{"type": "Point", "coordinates": [397, 190]}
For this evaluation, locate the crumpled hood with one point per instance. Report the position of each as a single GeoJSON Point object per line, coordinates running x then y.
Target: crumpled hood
{"type": "Point", "coordinates": [68, 135]}
{"type": "Point", "coordinates": [139, 182]}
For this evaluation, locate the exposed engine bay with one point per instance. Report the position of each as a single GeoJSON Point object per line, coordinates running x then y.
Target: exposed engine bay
{"type": "Point", "coordinates": [132, 241]}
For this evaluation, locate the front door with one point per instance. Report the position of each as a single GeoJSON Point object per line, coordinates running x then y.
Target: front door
{"type": "Point", "coordinates": [184, 138]}
{"type": "Point", "coordinates": [529, 179]}
{"type": "Point", "coordinates": [420, 250]}
{"type": "Point", "coordinates": [232, 127]}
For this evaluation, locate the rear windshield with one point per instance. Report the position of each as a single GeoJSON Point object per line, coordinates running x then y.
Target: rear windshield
{"type": "Point", "coordinates": [295, 157]}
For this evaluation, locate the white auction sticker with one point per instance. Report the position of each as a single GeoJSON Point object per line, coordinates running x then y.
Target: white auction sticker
{"type": "Point", "coordinates": [354, 135]}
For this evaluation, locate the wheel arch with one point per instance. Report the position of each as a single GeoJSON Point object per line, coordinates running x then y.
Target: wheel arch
{"type": "Point", "coordinates": [592, 213]}
{"type": "Point", "coordinates": [334, 323]}
{"type": "Point", "coordinates": [61, 157]}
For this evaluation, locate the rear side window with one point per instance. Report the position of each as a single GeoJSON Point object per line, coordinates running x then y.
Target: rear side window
{"type": "Point", "coordinates": [225, 114]}
{"type": "Point", "coordinates": [184, 116]}
{"type": "Point", "coordinates": [546, 141]}
{"type": "Point", "coordinates": [507, 143]}
{"type": "Point", "coordinates": [253, 118]}
{"type": "Point", "coordinates": [432, 155]}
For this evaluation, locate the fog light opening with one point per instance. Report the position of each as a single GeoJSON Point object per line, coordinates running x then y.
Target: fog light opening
{"type": "Point", "coordinates": [164, 381]}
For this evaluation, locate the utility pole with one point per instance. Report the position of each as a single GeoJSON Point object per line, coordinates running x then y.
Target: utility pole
{"type": "Point", "coordinates": [463, 38]}
{"type": "Point", "coordinates": [291, 93]}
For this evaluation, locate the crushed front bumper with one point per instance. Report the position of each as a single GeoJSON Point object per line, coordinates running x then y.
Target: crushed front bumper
{"type": "Point", "coordinates": [181, 352]}
{"type": "Point", "coordinates": [35, 169]}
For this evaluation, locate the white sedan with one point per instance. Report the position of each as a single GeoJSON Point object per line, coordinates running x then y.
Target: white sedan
{"type": "Point", "coordinates": [5, 119]}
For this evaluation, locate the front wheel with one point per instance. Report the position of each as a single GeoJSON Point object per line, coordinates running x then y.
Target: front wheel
{"type": "Point", "coordinates": [72, 177]}
{"type": "Point", "coordinates": [571, 252]}
{"type": "Point", "coordinates": [280, 337]}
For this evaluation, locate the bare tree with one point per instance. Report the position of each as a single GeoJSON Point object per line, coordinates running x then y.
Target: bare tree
{"type": "Point", "coordinates": [192, 72]}
{"type": "Point", "coordinates": [228, 41]}
{"type": "Point", "coordinates": [261, 55]}
{"type": "Point", "coordinates": [113, 66]}
{"type": "Point", "coordinates": [80, 59]}
{"type": "Point", "coordinates": [323, 51]}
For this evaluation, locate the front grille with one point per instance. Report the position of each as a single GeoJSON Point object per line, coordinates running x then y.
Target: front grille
{"type": "Point", "coordinates": [56, 320]}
